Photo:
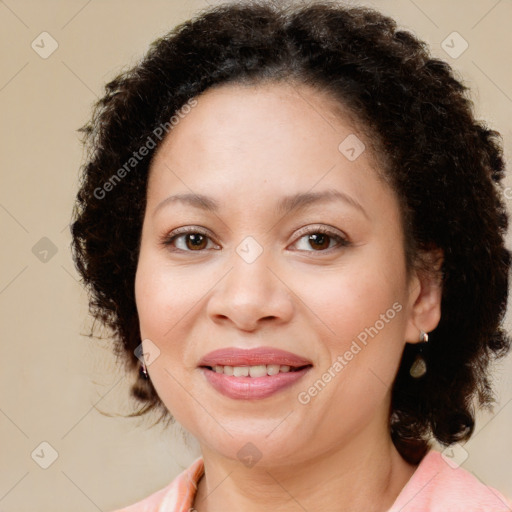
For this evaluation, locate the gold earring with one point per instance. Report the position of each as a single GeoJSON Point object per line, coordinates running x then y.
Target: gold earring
{"type": "Point", "coordinates": [419, 366]}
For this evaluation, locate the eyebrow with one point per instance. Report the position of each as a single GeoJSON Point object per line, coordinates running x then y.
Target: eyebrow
{"type": "Point", "coordinates": [285, 205]}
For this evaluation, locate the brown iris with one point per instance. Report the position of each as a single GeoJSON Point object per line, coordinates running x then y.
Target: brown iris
{"type": "Point", "coordinates": [320, 239]}
{"type": "Point", "coordinates": [197, 241]}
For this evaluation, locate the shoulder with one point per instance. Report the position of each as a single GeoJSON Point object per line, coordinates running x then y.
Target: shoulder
{"type": "Point", "coordinates": [438, 484]}
{"type": "Point", "coordinates": [150, 502]}
{"type": "Point", "coordinates": [176, 496]}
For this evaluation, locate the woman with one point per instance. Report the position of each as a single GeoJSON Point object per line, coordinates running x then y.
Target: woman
{"type": "Point", "coordinates": [293, 224]}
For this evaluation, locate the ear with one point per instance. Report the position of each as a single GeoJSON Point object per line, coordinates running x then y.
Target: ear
{"type": "Point", "coordinates": [425, 292]}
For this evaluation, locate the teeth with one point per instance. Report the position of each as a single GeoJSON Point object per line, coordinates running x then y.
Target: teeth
{"type": "Point", "coordinates": [272, 369]}
{"type": "Point", "coordinates": [241, 371]}
{"type": "Point", "coordinates": [252, 371]}
{"type": "Point", "coordinates": [258, 371]}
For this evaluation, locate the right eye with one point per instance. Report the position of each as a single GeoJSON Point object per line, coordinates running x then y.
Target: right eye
{"type": "Point", "coordinates": [189, 239]}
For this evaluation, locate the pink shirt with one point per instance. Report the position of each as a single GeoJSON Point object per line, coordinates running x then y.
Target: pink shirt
{"type": "Point", "coordinates": [434, 487]}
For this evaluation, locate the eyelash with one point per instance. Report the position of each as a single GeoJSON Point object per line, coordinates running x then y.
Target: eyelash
{"type": "Point", "coordinates": [168, 240]}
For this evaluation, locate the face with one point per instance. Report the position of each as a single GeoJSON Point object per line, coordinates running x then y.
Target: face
{"type": "Point", "coordinates": [297, 247]}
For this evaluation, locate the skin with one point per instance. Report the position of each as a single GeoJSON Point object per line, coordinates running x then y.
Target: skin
{"type": "Point", "coordinates": [247, 147]}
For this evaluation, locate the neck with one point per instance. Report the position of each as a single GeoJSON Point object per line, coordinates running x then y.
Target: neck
{"type": "Point", "coordinates": [358, 476]}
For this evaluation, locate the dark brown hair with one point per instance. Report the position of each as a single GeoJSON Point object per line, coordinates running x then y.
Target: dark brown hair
{"type": "Point", "coordinates": [444, 166]}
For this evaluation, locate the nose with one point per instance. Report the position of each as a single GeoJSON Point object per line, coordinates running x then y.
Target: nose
{"type": "Point", "coordinates": [250, 296]}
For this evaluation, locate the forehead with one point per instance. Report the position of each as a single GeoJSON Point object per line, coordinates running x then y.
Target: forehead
{"type": "Point", "coordinates": [264, 139]}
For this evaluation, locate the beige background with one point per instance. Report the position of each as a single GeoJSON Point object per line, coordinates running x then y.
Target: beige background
{"type": "Point", "coordinates": [53, 380]}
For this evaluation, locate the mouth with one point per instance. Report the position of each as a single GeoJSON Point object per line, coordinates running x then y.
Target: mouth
{"type": "Point", "coordinates": [257, 358]}
{"type": "Point", "coordinates": [255, 371]}
{"type": "Point", "coordinates": [243, 374]}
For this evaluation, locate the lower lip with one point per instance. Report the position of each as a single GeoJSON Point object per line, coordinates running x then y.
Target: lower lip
{"type": "Point", "coordinates": [247, 388]}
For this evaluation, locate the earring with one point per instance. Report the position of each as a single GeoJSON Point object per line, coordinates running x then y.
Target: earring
{"type": "Point", "coordinates": [419, 366]}
{"type": "Point", "coordinates": [143, 372]}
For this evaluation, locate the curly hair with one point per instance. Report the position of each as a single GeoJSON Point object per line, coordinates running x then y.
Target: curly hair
{"type": "Point", "coordinates": [444, 166]}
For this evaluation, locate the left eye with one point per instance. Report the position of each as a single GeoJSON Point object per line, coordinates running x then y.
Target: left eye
{"type": "Point", "coordinates": [322, 240]}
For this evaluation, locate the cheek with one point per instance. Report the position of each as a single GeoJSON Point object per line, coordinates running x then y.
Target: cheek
{"type": "Point", "coordinates": [163, 296]}
{"type": "Point", "coordinates": [151, 297]}
{"type": "Point", "coordinates": [359, 311]}
{"type": "Point", "coordinates": [345, 301]}
{"type": "Point", "coordinates": [162, 304]}
{"type": "Point", "coordinates": [366, 324]}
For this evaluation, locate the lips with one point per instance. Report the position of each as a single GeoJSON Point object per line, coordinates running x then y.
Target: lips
{"type": "Point", "coordinates": [283, 370]}
{"type": "Point", "coordinates": [253, 357]}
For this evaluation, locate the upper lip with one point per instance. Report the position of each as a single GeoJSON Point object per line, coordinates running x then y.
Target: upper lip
{"type": "Point", "coordinates": [252, 357]}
